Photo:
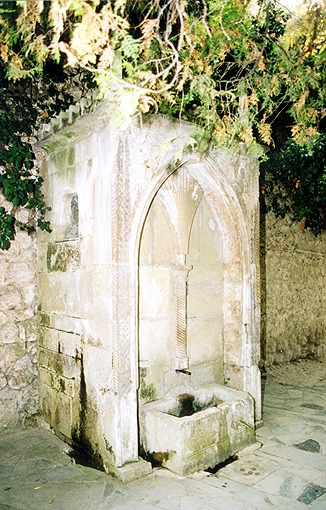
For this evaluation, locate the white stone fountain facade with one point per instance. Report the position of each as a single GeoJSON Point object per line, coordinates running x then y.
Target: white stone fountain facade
{"type": "Point", "coordinates": [149, 281]}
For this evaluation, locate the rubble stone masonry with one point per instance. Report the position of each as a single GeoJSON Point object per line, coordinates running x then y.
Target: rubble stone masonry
{"type": "Point", "coordinates": [18, 339]}
{"type": "Point", "coordinates": [293, 320]}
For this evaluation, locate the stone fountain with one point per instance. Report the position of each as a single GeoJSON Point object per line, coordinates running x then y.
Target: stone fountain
{"type": "Point", "coordinates": [148, 291]}
{"type": "Point", "coordinates": [182, 292]}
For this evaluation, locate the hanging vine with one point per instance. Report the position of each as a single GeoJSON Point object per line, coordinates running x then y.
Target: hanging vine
{"type": "Point", "coordinates": [234, 68]}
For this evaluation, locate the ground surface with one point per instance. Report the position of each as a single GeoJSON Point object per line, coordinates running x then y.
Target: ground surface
{"type": "Point", "coordinates": [283, 470]}
{"type": "Point", "coordinates": [307, 373]}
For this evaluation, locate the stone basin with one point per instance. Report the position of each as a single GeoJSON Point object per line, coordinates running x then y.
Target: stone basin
{"type": "Point", "coordinates": [199, 429]}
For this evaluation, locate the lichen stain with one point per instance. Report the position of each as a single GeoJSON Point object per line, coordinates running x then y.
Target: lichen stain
{"type": "Point", "coordinates": [62, 257]}
{"type": "Point", "coordinates": [147, 392]}
{"type": "Point", "coordinates": [62, 384]}
{"type": "Point", "coordinates": [109, 449]}
{"type": "Point", "coordinates": [57, 364]}
{"type": "Point", "coordinates": [87, 422]}
{"type": "Point", "coordinates": [44, 319]}
{"type": "Point", "coordinates": [94, 342]}
{"type": "Point", "coordinates": [224, 446]}
{"type": "Point", "coordinates": [63, 155]}
{"type": "Point", "coordinates": [56, 417]}
{"type": "Point", "coordinates": [47, 411]}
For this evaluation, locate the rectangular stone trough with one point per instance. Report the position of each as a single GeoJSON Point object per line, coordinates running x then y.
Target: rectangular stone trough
{"type": "Point", "coordinates": [199, 429]}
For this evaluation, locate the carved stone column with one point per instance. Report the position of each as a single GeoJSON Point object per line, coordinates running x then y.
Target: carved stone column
{"type": "Point", "coordinates": [181, 291]}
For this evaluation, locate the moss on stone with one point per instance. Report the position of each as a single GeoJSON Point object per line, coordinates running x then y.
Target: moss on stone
{"type": "Point", "coordinates": [147, 392]}
{"type": "Point", "coordinates": [62, 257]}
{"type": "Point", "coordinates": [44, 319]}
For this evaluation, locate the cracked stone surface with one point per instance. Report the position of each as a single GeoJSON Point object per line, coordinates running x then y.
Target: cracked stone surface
{"type": "Point", "coordinates": [284, 470]}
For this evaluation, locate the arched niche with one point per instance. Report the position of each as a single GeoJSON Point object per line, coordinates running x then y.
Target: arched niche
{"type": "Point", "coordinates": [193, 272]}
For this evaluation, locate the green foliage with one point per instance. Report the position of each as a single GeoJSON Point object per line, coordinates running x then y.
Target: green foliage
{"type": "Point", "coordinates": [231, 70]}
{"type": "Point", "coordinates": [295, 183]}
{"type": "Point", "coordinates": [7, 228]}
{"type": "Point", "coordinates": [23, 107]}
{"type": "Point", "coordinates": [218, 63]}
{"type": "Point", "coordinates": [20, 183]}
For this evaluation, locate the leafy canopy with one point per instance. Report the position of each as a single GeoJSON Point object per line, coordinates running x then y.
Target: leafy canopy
{"type": "Point", "coordinates": [234, 68]}
{"type": "Point", "coordinates": [294, 183]}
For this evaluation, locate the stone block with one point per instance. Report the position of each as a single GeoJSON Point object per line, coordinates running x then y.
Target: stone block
{"type": "Point", "coordinates": [28, 403]}
{"type": "Point", "coordinates": [157, 248]}
{"type": "Point", "coordinates": [97, 361]}
{"type": "Point", "coordinates": [58, 382]}
{"type": "Point", "coordinates": [161, 331]}
{"type": "Point", "coordinates": [207, 373]}
{"type": "Point", "coordinates": [59, 364]}
{"type": "Point", "coordinates": [51, 288]}
{"type": "Point", "coordinates": [21, 273]}
{"type": "Point", "coordinates": [21, 373]}
{"type": "Point", "coordinates": [205, 300]}
{"type": "Point", "coordinates": [10, 298]}
{"type": "Point", "coordinates": [48, 338]}
{"type": "Point", "coordinates": [63, 257]}
{"type": "Point", "coordinates": [79, 294]}
{"type": "Point", "coordinates": [133, 471]}
{"type": "Point", "coordinates": [66, 323]}
{"type": "Point", "coordinates": [234, 351]}
{"type": "Point", "coordinates": [9, 333]}
{"type": "Point", "coordinates": [69, 344]}
{"type": "Point", "coordinates": [9, 409]}
{"type": "Point", "coordinates": [26, 313]}
{"type": "Point", "coordinates": [57, 410]}
{"type": "Point", "coordinates": [234, 375]}
{"type": "Point", "coordinates": [156, 297]}
{"type": "Point", "coordinates": [205, 339]}
{"type": "Point", "coordinates": [219, 424]}
{"type": "Point", "coordinates": [45, 377]}
{"type": "Point", "coordinates": [87, 149]}
{"type": "Point", "coordinates": [27, 244]}
{"type": "Point", "coordinates": [205, 275]}
{"type": "Point", "coordinates": [98, 284]}
{"type": "Point", "coordinates": [9, 354]}
{"type": "Point", "coordinates": [28, 292]}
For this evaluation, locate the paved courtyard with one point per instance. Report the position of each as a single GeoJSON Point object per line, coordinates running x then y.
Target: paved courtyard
{"type": "Point", "coordinates": [285, 470]}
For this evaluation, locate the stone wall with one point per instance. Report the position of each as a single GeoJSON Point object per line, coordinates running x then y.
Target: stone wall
{"type": "Point", "coordinates": [293, 321]}
{"type": "Point", "coordinates": [18, 347]}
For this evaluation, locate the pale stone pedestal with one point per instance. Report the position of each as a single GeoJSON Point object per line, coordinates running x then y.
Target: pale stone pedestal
{"type": "Point", "coordinates": [133, 470]}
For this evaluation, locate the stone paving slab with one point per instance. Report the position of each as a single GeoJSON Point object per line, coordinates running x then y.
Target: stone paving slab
{"type": "Point", "coordinates": [319, 504]}
{"type": "Point", "coordinates": [284, 470]}
{"type": "Point", "coordinates": [250, 469]}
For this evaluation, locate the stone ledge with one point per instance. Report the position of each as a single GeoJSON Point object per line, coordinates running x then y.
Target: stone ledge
{"type": "Point", "coordinates": [133, 471]}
